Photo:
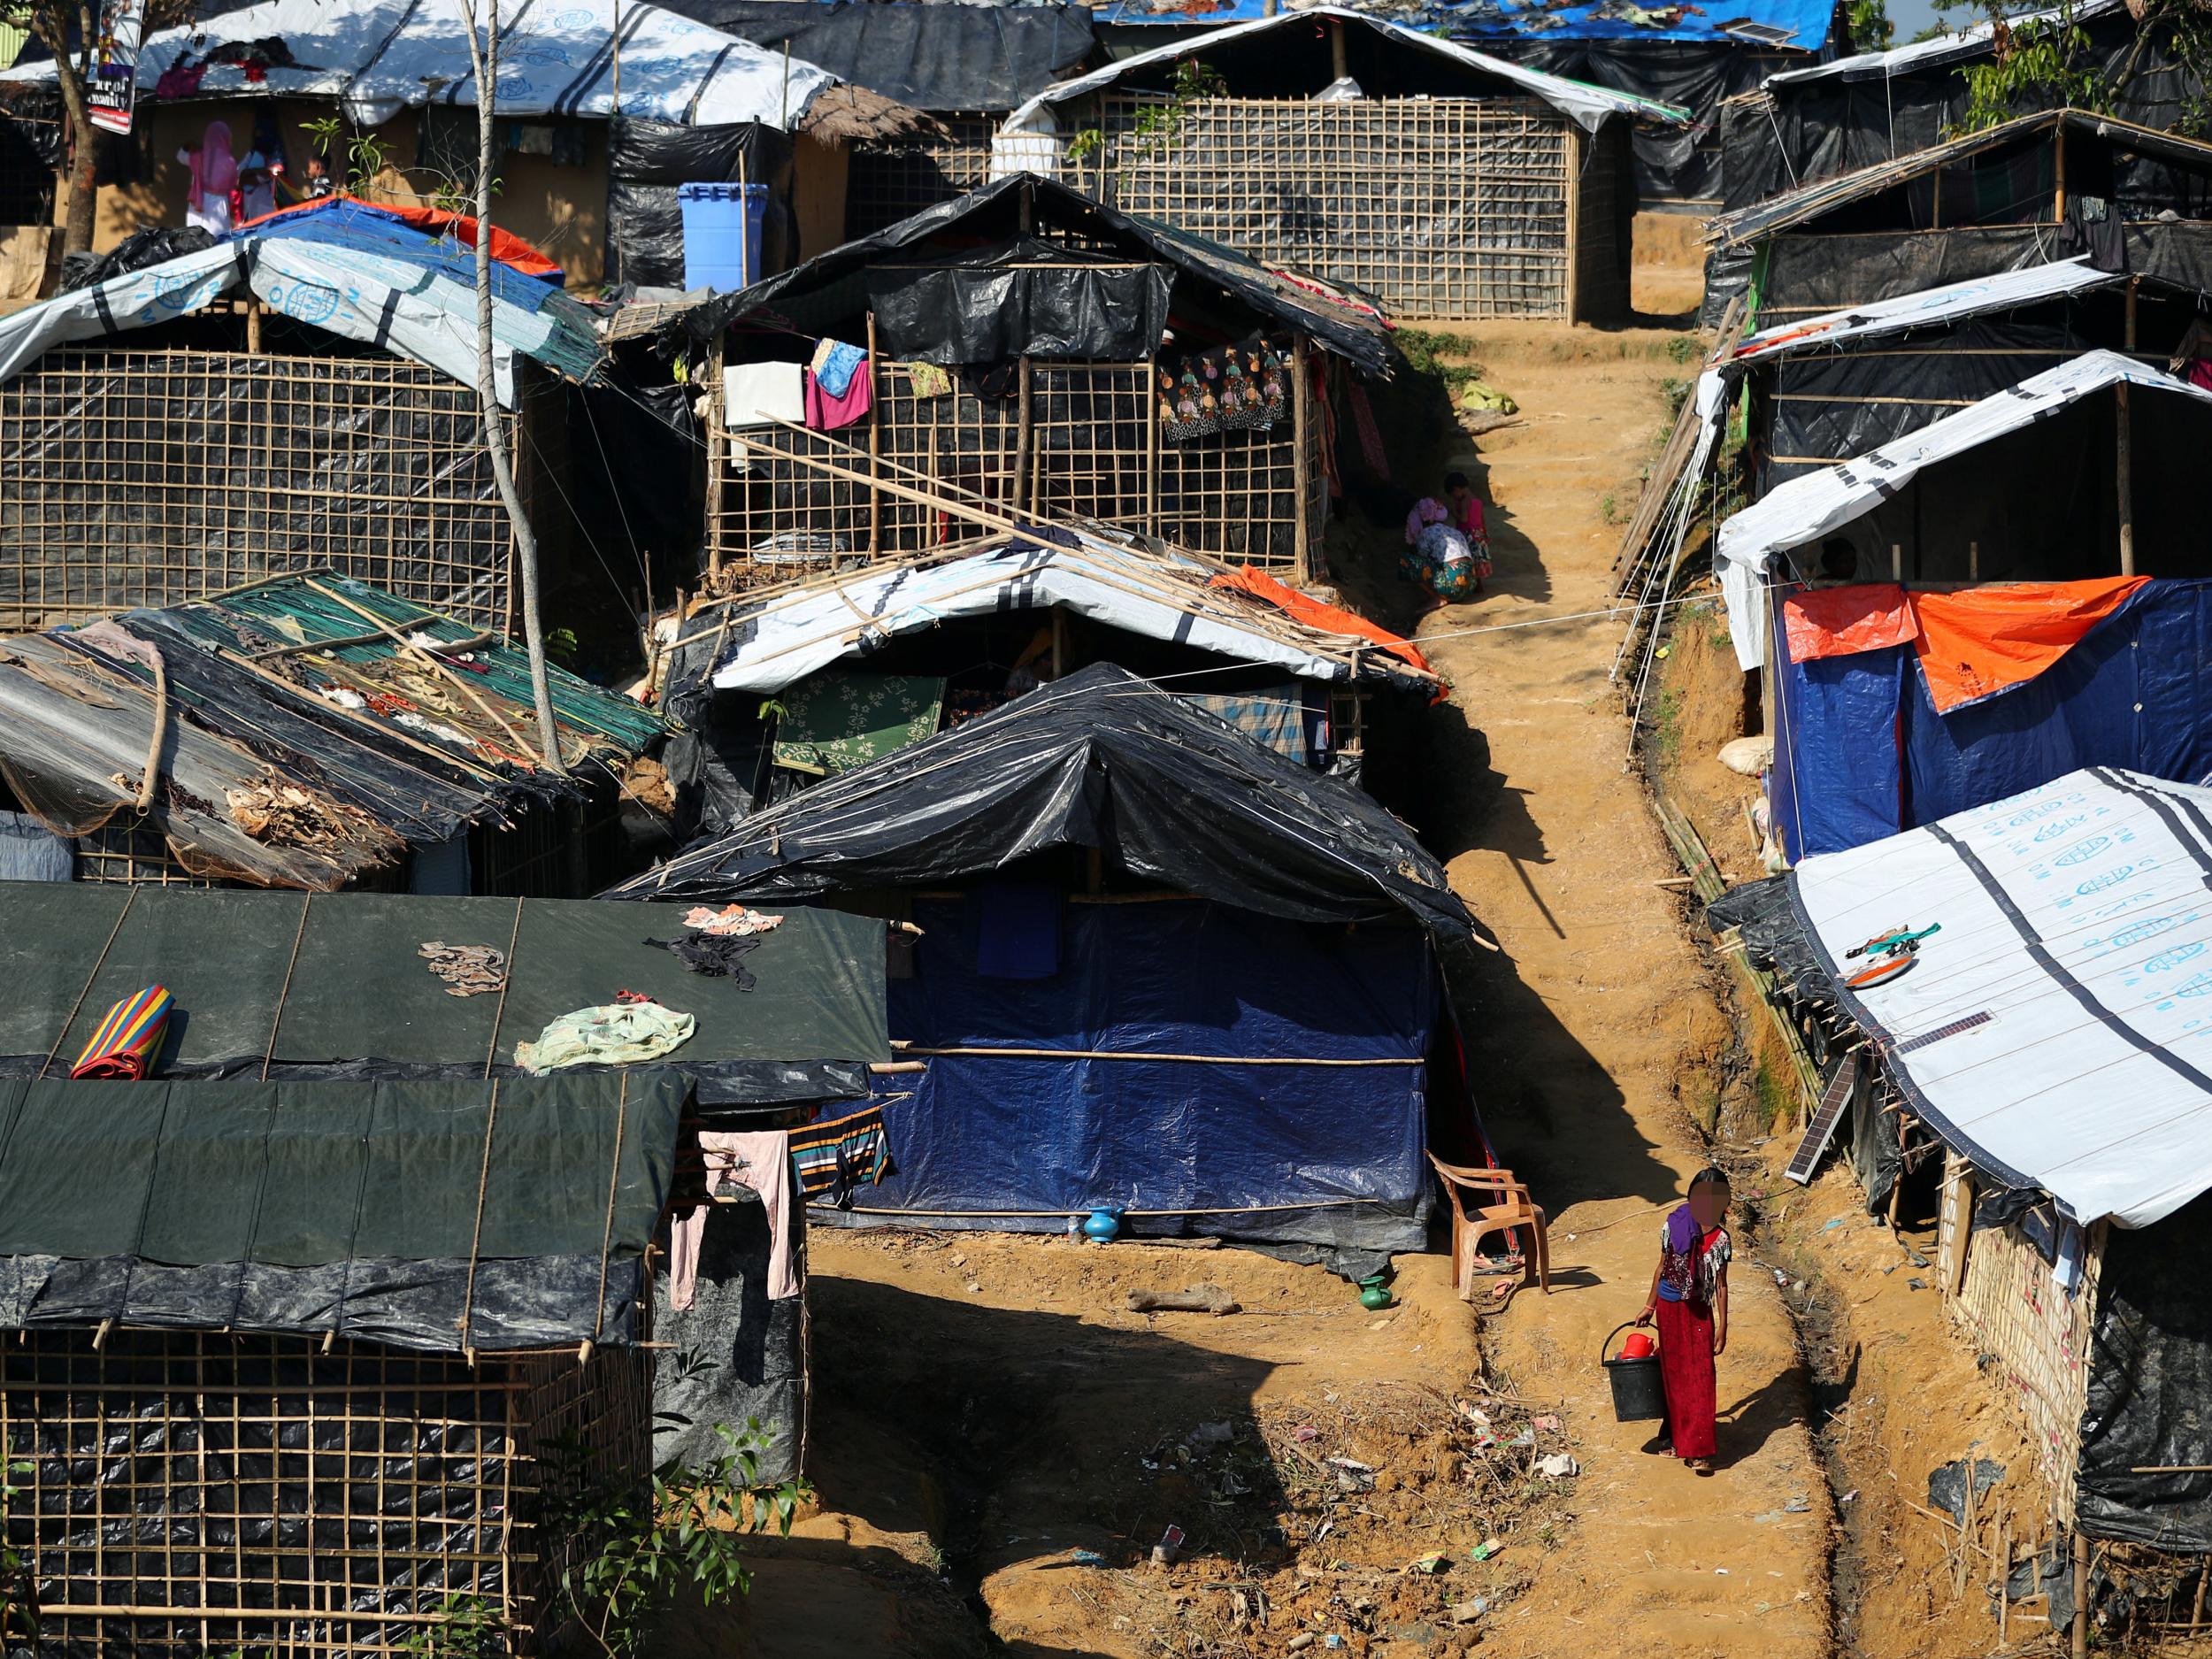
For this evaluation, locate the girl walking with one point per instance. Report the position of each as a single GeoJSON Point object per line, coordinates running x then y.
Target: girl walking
{"type": "Point", "coordinates": [1689, 1300]}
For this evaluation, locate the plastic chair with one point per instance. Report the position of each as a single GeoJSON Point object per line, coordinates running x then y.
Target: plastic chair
{"type": "Point", "coordinates": [1508, 1206]}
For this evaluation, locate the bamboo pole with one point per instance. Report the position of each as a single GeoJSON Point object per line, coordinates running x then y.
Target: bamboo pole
{"type": "Point", "coordinates": [2081, 1584]}
{"type": "Point", "coordinates": [1339, 59]}
{"type": "Point", "coordinates": [1195, 1059]}
{"type": "Point", "coordinates": [1023, 435]}
{"type": "Point", "coordinates": [2124, 476]}
{"type": "Point", "coordinates": [550, 739]}
{"type": "Point", "coordinates": [1301, 424]}
{"type": "Point", "coordinates": [875, 445]}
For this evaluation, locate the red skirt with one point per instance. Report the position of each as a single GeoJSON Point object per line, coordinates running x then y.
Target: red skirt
{"type": "Point", "coordinates": [1686, 1371]}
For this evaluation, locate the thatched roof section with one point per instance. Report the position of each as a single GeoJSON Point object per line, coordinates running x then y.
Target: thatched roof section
{"type": "Point", "coordinates": [847, 114]}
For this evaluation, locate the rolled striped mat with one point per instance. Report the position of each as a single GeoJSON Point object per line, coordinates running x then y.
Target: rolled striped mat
{"type": "Point", "coordinates": [125, 1043]}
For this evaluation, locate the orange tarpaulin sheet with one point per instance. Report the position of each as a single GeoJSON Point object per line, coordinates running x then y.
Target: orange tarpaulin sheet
{"type": "Point", "coordinates": [509, 249]}
{"type": "Point", "coordinates": [1844, 621]}
{"type": "Point", "coordinates": [1980, 642]}
{"type": "Point", "coordinates": [1253, 580]}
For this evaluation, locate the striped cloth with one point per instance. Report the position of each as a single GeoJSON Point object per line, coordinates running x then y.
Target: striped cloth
{"type": "Point", "coordinates": [832, 1158]}
{"type": "Point", "coordinates": [124, 1044]}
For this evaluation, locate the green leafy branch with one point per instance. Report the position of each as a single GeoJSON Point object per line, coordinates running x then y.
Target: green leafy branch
{"type": "Point", "coordinates": [633, 1550]}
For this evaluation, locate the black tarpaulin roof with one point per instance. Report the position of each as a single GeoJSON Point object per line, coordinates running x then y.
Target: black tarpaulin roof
{"type": "Point", "coordinates": [1803, 206]}
{"type": "Point", "coordinates": [504, 1213]}
{"type": "Point", "coordinates": [831, 286]}
{"type": "Point", "coordinates": [947, 60]}
{"type": "Point", "coordinates": [1099, 759]}
{"type": "Point", "coordinates": [316, 986]}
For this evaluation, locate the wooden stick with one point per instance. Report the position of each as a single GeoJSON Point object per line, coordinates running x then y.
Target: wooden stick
{"type": "Point", "coordinates": [875, 443]}
{"type": "Point", "coordinates": [459, 684]}
{"type": "Point", "coordinates": [1198, 1299]}
{"type": "Point", "coordinates": [470, 643]}
{"type": "Point", "coordinates": [148, 785]}
{"type": "Point", "coordinates": [1198, 1059]}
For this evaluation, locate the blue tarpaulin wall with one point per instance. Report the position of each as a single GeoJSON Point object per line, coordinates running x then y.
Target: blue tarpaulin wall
{"type": "Point", "coordinates": [986, 1135]}
{"type": "Point", "coordinates": [1860, 752]}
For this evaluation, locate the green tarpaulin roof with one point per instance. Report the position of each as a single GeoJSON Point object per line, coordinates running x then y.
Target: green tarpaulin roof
{"type": "Point", "coordinates": [507, 1213]}
{"type": "Point", "coordinates": [320, 985]}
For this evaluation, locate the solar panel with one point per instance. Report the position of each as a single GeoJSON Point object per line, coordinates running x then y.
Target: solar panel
{"type": "Point", "coordinates": [1764, 34]}
{"type": "Point", "coordinates": [1822, 1130]}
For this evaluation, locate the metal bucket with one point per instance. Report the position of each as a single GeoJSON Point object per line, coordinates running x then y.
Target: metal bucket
{"type": "Point", "coordinates": [1638, 1395]}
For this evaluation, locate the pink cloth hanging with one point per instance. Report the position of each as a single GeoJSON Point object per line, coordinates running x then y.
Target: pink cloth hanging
{"type": "Point", "coordinates": [214, 179]}
{"type": "Point", "coordinates": [762, 1161]}
{"type": "Point", "coordinates": [824, 413]}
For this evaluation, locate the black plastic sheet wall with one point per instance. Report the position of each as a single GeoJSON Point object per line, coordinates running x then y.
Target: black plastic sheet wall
{"type": "Point", "coordinates": [991, 313]}
{"type": "Point", "coordinates": [734, 1356]}
{"type": "Point", "coordinates": [2150, 1388]}
{"type": "Point", "coordinates": [647, 160]}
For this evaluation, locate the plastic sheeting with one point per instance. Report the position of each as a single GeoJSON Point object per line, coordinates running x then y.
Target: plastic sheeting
{"type": "Point", "coordinates": [826, 293]}
{"type": "Point", "coordinates": [1948, 303]}
{"type": "Point", "coordinates": [438, 1216]}
{"type": "Point", "coordinates": [319, 987]}
{"type": "Point", "coordinates": [1327, 1154]}
{"type": "Point", "coordinates": [947, 60]}
{"type": "Point", "coordinates": [409, 294]}
{"type": "Point", "coordinates": [647, 159]}
{"type": "Point", "coordinates": [1863, 753]}
{"type": "Point", "coordinates": [1808, 507]}
{"type": "Point", "coordinates": [2150, 1372]}
{"type": "Point", "coordinates": [380, 57]}
{"type": "Point", "coordinates": [1028, 295]}
{"type": "Point", "coordinates": [733, 1355]}
{"type": "Point", "coordinates": [1099, 759]}
{"type": "Point", "coordinates": [2050, 1031]}
{"type": "Point", "coordinates": [1027, 141]}
{"type": "Point", "coordinates": [786, 639]}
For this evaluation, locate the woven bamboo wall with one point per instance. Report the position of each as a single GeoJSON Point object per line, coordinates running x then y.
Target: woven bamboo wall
{"type": "Point", "coordinates": [2010, 1308]}
{"type": "Point", "coordinates": [893, 178]}
{"type": "Point", "coordinates": [1094, 451]}
{"type": "Point", "coordinates": [192, 1495]}
{"type": "Point", "coordinates": [1444, 209]}
{"type": "Point", "coordinates": [137, 476]}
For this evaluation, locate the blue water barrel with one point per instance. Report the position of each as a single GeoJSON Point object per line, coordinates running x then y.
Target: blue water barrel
{"type": "Point", "coordinates": [722, 233]}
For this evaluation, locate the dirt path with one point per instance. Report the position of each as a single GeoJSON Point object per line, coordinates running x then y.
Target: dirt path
{"type": "Point", "coordinates": [1594, 1040]}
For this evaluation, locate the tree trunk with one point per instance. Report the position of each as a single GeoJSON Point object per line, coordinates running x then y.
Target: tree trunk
{"type": "Point", "coordinates": [484, 60]}
{"type": "Point", "coordinates": [78, 194]}
{"type": "Point", "coordinates": [75, 178]}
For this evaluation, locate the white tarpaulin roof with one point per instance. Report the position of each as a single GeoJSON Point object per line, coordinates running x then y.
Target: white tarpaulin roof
{"type": "Point", "coordinates": [400, 305]}
{"type": "Point", "coordinates": [1016, 149]}
{"type": "Point", "coordinates": [1156, 596]}
{"type": "Point", "coordinates": [2058, 1030]}
{"type": "Point", "coordinates": [1948, 303]}
{"type": "Point", "coordinates": [1810, 505]}
{"type": "Point", "coordinates": [1943, 47]}
{"type": "Point", "coordinates": [555, 57]}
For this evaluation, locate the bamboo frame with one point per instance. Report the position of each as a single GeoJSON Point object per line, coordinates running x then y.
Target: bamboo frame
{"type": "Point", "coordinates": [1093, 451]}
{"type": "Point", "coordinates": [110, 499]}
{"type": "Point", "coordinates": [195, 1492]}
{"type": "Point", "coordinates": [2011, 1308]}
{"type": "Point", "coordinates": [893, 178]}
{"type": "Point", "coordinates": [1445, 209]}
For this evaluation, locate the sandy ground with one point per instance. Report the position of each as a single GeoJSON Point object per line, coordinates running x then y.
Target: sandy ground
{"type": "Point", "coordinates": [1595, 1037]}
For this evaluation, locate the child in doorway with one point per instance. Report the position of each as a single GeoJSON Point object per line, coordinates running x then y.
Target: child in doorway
{"type": "Point", "coordinates": [1689, 1303]}
{"type": "Point", "coordinates": [1446, 550]}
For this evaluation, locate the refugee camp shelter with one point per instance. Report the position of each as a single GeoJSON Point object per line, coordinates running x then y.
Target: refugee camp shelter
{"type": "Point", "coordinates": [1445, 184]}
{"type": "Point", "coordinates": [344, 1212]}
{"type": "Point", "coordinates": [1693, 57]}
{"type": "Point", "coordinates": [300, 396]}
{"type": "Point", "coordinates": [195, 1470]}
{"type": "Point", "coordinates": [313, 732]}
{"type": "Point", "coordinates": [1814, 121]}
{"type": "Point", "coordinates": [1020, 366]}
{"type": "Point", "coordinates": [1817, 391]}
{"type": "Point", "coordinates": [1160, 967]}
{"type": "Point", "coordinates": [966, 66]}
{"type": "Point", "coordinates": [1936, 635]}
{"type": "Point", "coordinates": [2036, 189]}
{"type": "Point", "coordinates": [849, 669]}
{"type": "Point", "coordinates": [2034, 1081]}
{"type": "Point", "coordinates": [600, 122]}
